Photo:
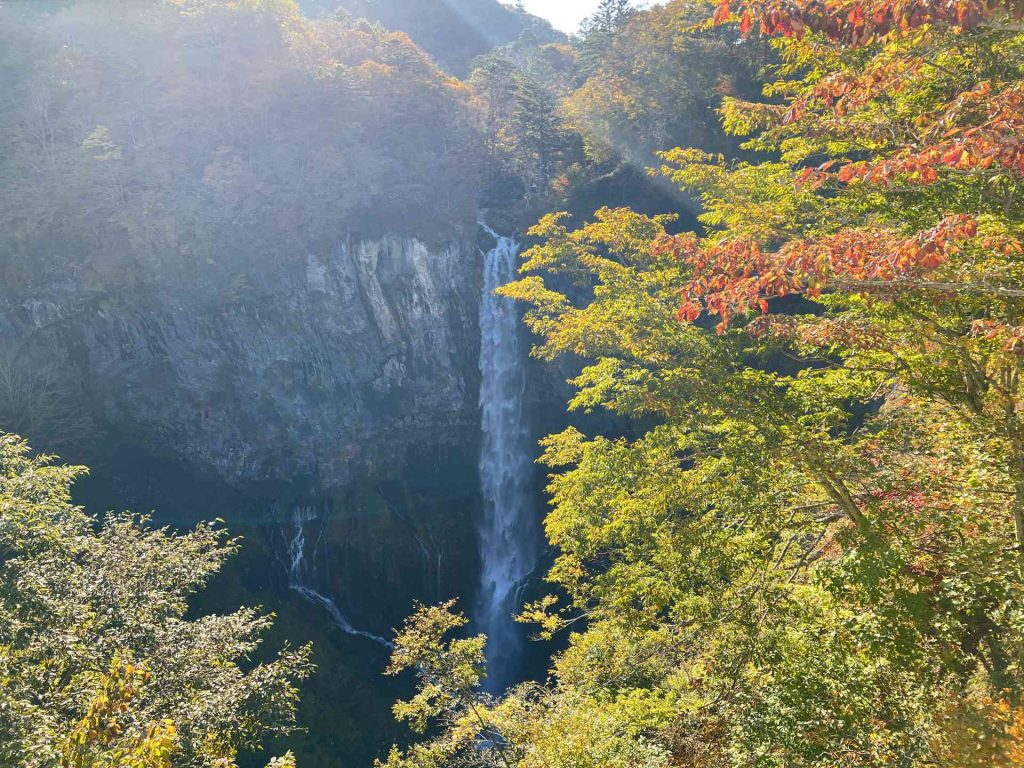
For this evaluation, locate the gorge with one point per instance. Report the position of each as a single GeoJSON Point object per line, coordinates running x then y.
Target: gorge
{"type": "Point", "coordinates": [406, 384]}
{"type": "Point", "coordinates": [243, 280]}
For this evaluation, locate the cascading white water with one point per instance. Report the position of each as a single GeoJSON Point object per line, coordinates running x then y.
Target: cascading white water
{"type": "Point", "coordinates": [297, 577]}
{"type": "Point", "coordinates": [507, 531]}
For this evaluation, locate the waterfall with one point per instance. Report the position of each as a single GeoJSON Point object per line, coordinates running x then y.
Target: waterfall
{"type": "Point", "coordinates": [507, 531]}
{"type": "Point", "coordinates": [297, 577]}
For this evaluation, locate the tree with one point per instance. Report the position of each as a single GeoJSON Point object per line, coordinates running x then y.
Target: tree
{"type": "Point", "coordinates": [526, 135]}
{"type": "Point", "coordinates": [598, 31]}
{"type": "Point", "coordinates": [610, 16]}
{"type": "Point", "coordinates": [811, 555]}
{"type": "Point", "coordinates": [351, 125]}
{"type": "Point", "coordinates": [654, 80]}
{"type": "Point", "coordinates": [449, 675]}
{"type": "Point", "coordinates": [100, 665]}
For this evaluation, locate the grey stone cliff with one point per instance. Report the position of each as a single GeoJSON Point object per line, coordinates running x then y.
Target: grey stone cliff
{"type": "Point", "coordinates": [319, 369]}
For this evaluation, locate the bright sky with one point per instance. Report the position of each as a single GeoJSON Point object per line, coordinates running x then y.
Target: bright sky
{"type": "Point", "coordinates": [566, 15]}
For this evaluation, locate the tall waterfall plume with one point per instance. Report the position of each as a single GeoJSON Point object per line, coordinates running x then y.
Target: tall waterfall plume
{"type": "Point", "coordinates": [298, 577]}
{"type": "Point", "coordinates": [508, 529]}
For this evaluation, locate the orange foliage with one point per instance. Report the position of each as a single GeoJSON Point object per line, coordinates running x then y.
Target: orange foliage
{"type": "Point", "coordinates": [733, 277]}
{"type": "Point", "coordinates": [965, 143]}
{"type": "Point", "coordinates": [985, 733]}
{"type": "Point", "coordinates": [859, 22]}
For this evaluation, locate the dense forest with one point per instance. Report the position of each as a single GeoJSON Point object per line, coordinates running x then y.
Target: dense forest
{"type": "Point", "coordinates": [772, 282]}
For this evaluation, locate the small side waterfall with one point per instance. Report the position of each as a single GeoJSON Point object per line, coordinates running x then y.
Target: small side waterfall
{"type": "Point", "coordinates": [507, 531]}
{"type": "Point", "coordinates": [297, 577]}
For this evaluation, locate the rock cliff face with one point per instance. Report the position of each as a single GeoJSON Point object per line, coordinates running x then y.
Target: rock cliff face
{"type": "Point", "coordinates": [343, 384]}
{"type": "Point", "coordinates": [317, 372]}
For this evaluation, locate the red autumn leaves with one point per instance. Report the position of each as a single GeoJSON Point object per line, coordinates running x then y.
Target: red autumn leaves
{"type": "Point", "coordinates": [860, 22]}
{"type": "Point", "coordinates": [997, 139]}
{"type": "Point", "coordinates": [980, 127]}
{"type": "Point", "coordinates": [735, 277]}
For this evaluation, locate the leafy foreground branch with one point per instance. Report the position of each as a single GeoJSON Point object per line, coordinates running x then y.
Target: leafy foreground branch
{"type": "Point", "coordinates": [99, 666]}
{"type": "Point", "coordinates": [478, 730]}
{"type": "Point", "coordinates": [813, 555]}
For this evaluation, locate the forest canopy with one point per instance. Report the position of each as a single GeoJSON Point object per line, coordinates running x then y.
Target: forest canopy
{"type": "Point", "coordinates": [786, 527]}
{"type": "Point", "coordinates": [100, 664]}
{"type": "Point", "coordinates": [151, 141]}
{"type": "Point", "coordinates": [812, 553]}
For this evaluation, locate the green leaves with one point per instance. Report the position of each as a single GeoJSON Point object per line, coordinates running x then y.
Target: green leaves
{"type": "Point", "coordinates": [449, 673]}
{"type": "Point", "coordinates": [808, 551]}
{"type": "Point", "coordinates": [450, 670]}
{"type": "Point", "coordinates": [100, 665]}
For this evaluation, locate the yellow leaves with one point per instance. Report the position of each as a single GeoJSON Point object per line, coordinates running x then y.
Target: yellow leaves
{"type": "Point", "coordinates": [598, 109]}
{"type": "Point", "coordinates": [101, 145]}
{"type": "Point", "coordinates": [563, 449]}
{"type": "Point", "coordinates": [371, 72]}
{"type": "Point", "coordinates": [548, 307]}
{"type": "Point", "coordinates": [104, 738]}
{"type": "Point", "coordinates": [157, 749]}
{"type": "Point", "coordinates": [761, 201]}
{"type": "Point", "coordinates": [285, 761]}
{"type": "Point", "coordinates": [630, 278]}
{"type": "Point", "coordinates": [622, 233]}
{"type": "Point", "coordinates": [742, 118]}
{"type": "Point", "coordinates": [544, 614]}
{"type": "Point", "coordinates": [590, 733]}
{"type": "Point", "coordinates": [979, 731]}
{"type": "Point", "coordinates": [449, 674]}
{"type": "Point", "coordinates": [616, 232]}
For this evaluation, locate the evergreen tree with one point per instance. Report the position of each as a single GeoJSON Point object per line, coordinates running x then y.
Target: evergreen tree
{"type": "Point", "coordinates": [597, 32]}
{"type": "Point", "coordinates": [610, 16]}
{"type": "Point", "coordinates": [527, 138]}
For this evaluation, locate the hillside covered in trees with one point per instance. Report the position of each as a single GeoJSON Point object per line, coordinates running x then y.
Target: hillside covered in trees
{"type": "Point", "coordinates": [773, 282]}
{"type": "Point", "coordinates": [157, 139]}
{"type": "Point", "coordinates": [454, 32]}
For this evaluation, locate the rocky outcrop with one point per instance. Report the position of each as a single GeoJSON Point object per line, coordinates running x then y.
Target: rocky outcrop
{"type": "Point", "coordinates": [314, 371]}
